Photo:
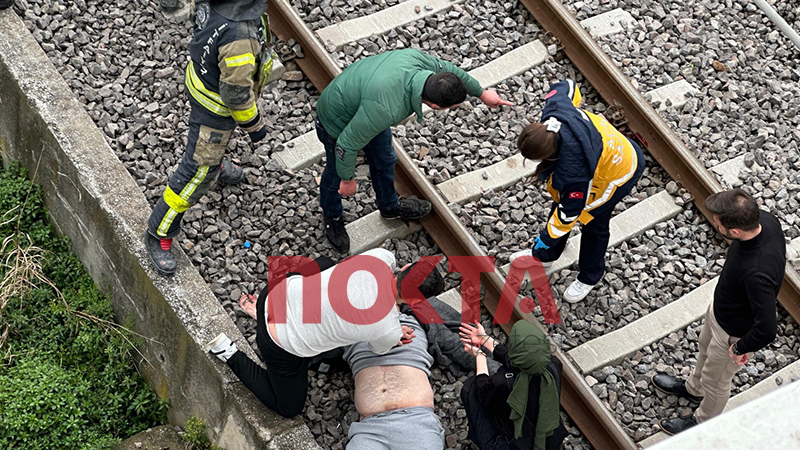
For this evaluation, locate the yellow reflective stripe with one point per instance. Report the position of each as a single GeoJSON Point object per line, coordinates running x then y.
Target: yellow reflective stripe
{"type": "Point", "coordinates": [210, 100]}
{"type": "Point", "coordinates": [187, 192]}
{"type": "Point", "coordinates": [240, 60]}
{"type": "Point", "coordinates": [175, 201]}
{"type": "Point", "coordinates": [246, 115]}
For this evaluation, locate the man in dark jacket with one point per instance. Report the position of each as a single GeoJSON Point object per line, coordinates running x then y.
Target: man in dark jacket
{"type": "Point", "coordinates": [741, 318]}
{"type": "Point", "coordinates": [355, 112]}
{"type": "Point", "coordinates": [231, 61]}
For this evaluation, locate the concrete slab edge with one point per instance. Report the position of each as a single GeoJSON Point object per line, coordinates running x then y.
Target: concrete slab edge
{"type": "Point", "coordinates": [608, 23]}
{"type": "Point", "coordinates": [768, 423]}
{"type": "Point", "coordinates": [92, 199]}
{"type": "Point", "coordinates": [615, 346]}
{"type": "Point", "coordinates": [753, 397]}
{"type": "Point", "coordinates": [382, 21]}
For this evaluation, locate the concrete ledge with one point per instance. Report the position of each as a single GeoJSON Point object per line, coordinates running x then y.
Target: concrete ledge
{"type": "Point", "coordinates": [92, 199]}
{"type": "Point", "coordinates": [674, 92]}
{"type": "Point", "coordinates": [371, 230]}
{"type": "Point", "coordinates": [613, 347]}
{"type": "Point", "coordinates": [728, 171]}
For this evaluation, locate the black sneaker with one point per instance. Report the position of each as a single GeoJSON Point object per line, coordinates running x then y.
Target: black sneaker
{"type": "Point", "coordinates": [230, 173]}
{"type": "Point", "coordinates": [336, 234]}
{"type": "Point", "coordinates": [675, 386]}
{"type": "Point", "coordinates": [676, 425]}
{"type": "Point", "coordinates": [409, 209]}
{"type": "Point", "coordinates": [163, 260]}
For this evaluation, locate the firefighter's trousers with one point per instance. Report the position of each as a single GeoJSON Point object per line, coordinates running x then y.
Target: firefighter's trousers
{"type": "Point", "coordinates": [196, 174]}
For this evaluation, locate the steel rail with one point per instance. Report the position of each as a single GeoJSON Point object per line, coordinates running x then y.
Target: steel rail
{"type": "Point", "coordinates": [577, 398]}
{"type": "Point", "coordinates": [663, 143]}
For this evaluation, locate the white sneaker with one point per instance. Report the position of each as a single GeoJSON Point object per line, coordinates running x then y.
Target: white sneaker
{"type": "Point", "coordinates": [528, 252]}
{"type": "Point", "coordinates": [222, 347]}
{"type": "Point", "coordinates": [577, 291]}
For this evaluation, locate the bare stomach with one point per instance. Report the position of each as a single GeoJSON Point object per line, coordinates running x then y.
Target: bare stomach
{"type": "Point", "coordinates": [385, 388]}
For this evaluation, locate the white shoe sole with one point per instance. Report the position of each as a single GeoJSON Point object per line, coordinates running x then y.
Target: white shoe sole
{"type": "Point", "coordinates": [571, 299]}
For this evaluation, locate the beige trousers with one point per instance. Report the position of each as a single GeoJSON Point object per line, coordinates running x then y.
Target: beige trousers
{"type": "Point", "coordinates": [712, 376]}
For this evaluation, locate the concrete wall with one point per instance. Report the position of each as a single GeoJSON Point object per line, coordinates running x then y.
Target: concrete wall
{"type": "Point", "coordinates": [93, 200]}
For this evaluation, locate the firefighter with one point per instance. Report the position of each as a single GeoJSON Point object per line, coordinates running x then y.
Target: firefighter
{"type": "Point", "coordinates": [231, 61]}
{"type": "Point", "coordinates": [588, 167]}
{"type": "Point", "coordinates": [356, 112]}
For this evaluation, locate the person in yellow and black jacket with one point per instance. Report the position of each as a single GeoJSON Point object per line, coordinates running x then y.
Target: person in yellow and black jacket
{"type": "Point", "coordinates": [231, 61]}
{"type": "Point", "coordinates": [588, 167]}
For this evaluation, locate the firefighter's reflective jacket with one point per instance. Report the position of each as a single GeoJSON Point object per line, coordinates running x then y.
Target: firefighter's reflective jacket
{"type": "Point", "coordinates": [231, 61]}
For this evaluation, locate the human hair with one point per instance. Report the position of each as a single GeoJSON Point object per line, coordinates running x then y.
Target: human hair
{"type": "Point", "coordinates": [536, 143]}
{"type": "Point", "coordinates": [431, 286]}
{"type": "Point", "coordinates": [735, 209]}
{"type": "Point", "coordinates": [444, 89]}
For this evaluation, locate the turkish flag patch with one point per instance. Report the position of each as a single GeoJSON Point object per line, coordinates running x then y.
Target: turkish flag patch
{"type": "Point", "coordinates": [550, 94]}
{"type": "Point", "coordinates": [576, 195]}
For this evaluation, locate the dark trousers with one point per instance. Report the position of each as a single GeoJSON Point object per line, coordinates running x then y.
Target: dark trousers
{"type": "Point", "coordinates": [283, 385]}
{"type": "Point", "coordinates": [197, 172]}
{"type": "Point", "coordinates": [381, 159]}
{"type": "Point", "coordinates": [595, 234]}
{"type": "Point", "coordinates": [482, 429]}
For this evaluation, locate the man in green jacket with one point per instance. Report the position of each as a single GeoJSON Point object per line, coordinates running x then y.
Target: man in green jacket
{"type": "Point", "coordinates": [356, 112]}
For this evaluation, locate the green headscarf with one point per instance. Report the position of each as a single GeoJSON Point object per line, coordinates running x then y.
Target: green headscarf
{"type": "Point", "coordinates": [529, 351]}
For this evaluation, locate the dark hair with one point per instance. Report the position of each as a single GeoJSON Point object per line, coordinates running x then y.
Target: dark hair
{"type": "Point", "coordinates": [735, 209]}
{"type": "Point", "coordinates": [431, 286]}
{"type": "Point", "coordinates": [444, 89]}
{"type": "Point", "coordinates": [535, 142]}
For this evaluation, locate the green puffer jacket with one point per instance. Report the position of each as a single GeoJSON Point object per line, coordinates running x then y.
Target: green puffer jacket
{"type": "Point", "coordinates": [376, 93]}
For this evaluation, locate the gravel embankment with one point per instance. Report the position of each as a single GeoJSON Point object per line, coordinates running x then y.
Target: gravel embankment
{"type": "Point", "coordinates": [747, 73]}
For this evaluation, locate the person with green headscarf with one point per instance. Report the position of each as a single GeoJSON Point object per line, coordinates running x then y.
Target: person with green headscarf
{"type": "Point", "coordinates": [517, 407]}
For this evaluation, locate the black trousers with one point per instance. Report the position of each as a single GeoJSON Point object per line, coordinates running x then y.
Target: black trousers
{"type": "Point", "coordinates": [595, 234]}
{"type": "Point", "coordinates": [485, 433]}
{"type": "Point", "coordinates": [283, 385]}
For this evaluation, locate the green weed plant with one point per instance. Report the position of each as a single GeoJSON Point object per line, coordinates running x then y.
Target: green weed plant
{"type": "Point", "coordinates": [67, 379]}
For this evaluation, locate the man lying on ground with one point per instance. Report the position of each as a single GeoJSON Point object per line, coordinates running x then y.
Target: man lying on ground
{"type": "Point", "coordinates": [393, 396]}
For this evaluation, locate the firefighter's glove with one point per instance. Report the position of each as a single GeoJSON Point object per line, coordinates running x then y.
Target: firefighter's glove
{"type": "Point", "coordinates": [538, 244]}
{"type": "Point", "coordinates": [256, 128]}
{"type": "Point", "coordinates": [258, 135]}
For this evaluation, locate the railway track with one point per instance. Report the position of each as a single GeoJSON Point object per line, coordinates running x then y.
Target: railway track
{"type": "Point", "coordinates": [468, 197]}
{"type": "Point", "coordinates": [453, 239]}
